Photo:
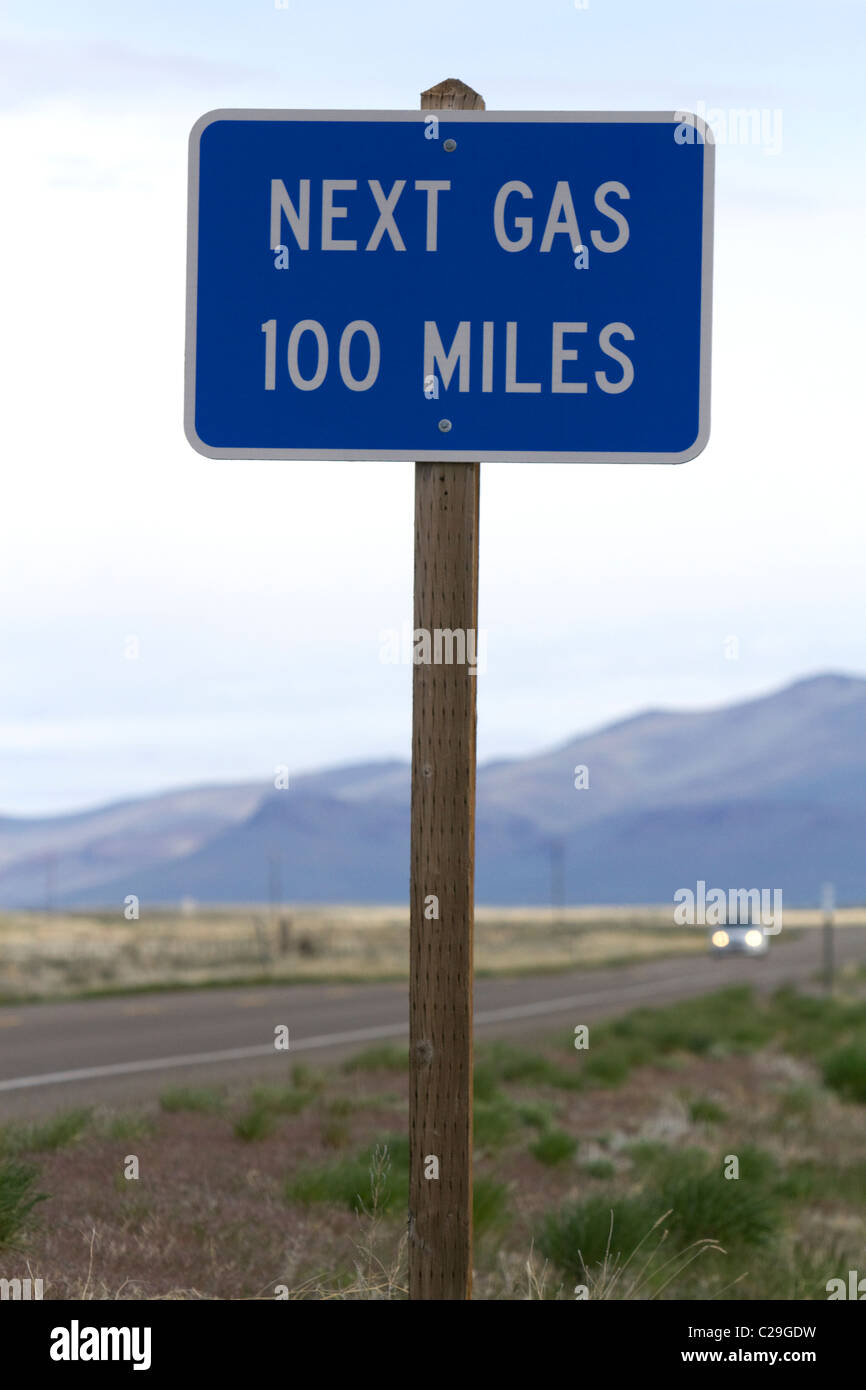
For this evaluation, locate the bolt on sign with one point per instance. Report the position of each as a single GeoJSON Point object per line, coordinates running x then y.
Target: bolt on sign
{"type": "Point", "coordinates": [450, 285]}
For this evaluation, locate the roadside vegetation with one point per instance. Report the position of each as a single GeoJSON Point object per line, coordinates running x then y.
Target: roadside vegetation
{"type": "Point", "coordinates": [601, 1170]}
{"type": "Point", "coordinates": [74, 955]}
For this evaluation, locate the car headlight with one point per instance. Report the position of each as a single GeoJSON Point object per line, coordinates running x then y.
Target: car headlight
{"type": "Point", "coordinates": [754, 938]}
{"type": "Point", "coordinates": [720, 938]}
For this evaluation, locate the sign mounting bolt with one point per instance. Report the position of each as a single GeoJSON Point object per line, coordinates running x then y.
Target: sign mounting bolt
{"type": "Point", "coordinates": [444, 426]}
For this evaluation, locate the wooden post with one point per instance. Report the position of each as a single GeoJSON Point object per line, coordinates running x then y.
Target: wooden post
{"type": "Point", "coordinates": [441, 912]}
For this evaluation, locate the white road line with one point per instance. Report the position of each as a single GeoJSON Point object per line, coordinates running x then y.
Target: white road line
{"type": "Point", "coordinates": [390, 1030]}
{"type": "Point", "coordinates": [554, 1006]}
{"type": "Point", "coordinates": [233, 1054]}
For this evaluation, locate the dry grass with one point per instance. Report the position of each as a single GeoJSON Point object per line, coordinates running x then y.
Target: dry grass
{"type": "Point", "coordinates": [64, 954]}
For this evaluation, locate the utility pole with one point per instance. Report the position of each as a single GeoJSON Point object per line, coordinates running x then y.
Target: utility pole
{"type": "Point", "coordinates": [557, 878]}
{"type": "Point", "coordinates": [50, 882]}
{"type": "Point", "coordinates": [828, 913]}
{"type": "Point", "coordinates": [275, 882]}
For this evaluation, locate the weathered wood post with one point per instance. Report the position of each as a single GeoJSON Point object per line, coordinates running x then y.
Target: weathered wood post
{"type": "Point", "coordinates": [443, 866]}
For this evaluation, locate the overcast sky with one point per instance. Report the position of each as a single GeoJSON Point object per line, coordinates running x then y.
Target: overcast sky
{"type": "Point", "coordinates": [258, 591]}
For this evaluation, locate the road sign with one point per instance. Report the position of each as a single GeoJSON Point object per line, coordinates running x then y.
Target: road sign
{"type": "Point", "coordinates": [454, 285]}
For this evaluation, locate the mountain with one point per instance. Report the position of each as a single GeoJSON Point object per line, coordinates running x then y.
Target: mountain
{"type": "Point", "coordinates": [78, 852]}
{"type": "Point", "coordinates": [769, 792]}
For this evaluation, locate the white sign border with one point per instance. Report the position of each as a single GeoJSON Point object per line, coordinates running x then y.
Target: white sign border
{"type": "Point", "coordinates": [441, 454]}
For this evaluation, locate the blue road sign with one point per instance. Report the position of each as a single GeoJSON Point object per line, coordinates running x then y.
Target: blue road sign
{"type": "Point", "coordinates": [469, 285]}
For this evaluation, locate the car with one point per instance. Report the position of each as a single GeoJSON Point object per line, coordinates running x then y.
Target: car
{"type": "Point", "coordinates": [738, 938]}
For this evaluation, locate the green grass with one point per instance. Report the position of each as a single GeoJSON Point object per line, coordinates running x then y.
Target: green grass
{"type": "Point", "coordinates": [797, 1102]}
{"type": "Point", "coordinates": [740, 1213]}
{"type": "Point", "coordinates": [504, 1062]}
{"type": "Point", "coordinates": [607, 1066]}
{"type": "Point", "coordinates": [535, 1114]}
{"type": "Point", "coordinates": [656, 1160]}
{"type": "Point", "coordinates": [804, 1181]}
{"type": "Point", "coordinates": [17, 1198]}
{"type": "Point", "coordinates": [601, 1168]}
{"type": "Point", "coordinates": [256, 1123]}
{"type": "Point", "coordinates": [757, 1165]}
{"type": "Point", "coordinates": [280, 1100]}
{"type": "Point", "coordinates": [496, 1117]}
{"type": "Point", "coordinates": [727, 1021]}
{"type": "Point", "coordinates": [378, 1100]}
{"type": "Point", "coordinates": [340, 1107]}
{"type": "Point", "coordinates": [845, 1071]}
{"type": "Point", "coordinates": [380, 1057]}
{"type": "Point", "coordinates": [45, 1136]}
{"type": "Point", "coordinates": [349, 1182]}
{"type": "Point", "coordinates": [346, 1181]}
{"type": "Point", "coordinates": [335, 1134]}
{"type": "Point", "coordinates": [123, 1127]}
{"type": "Point", "coordinates": [305, 1079]}
{"type": "Point", "coordinates": [489, 1205]}
{"type": "Point", "coordinates": [580, 1231]}
{"type": "Point", "coordinates": [485, 1083]}
{"type": "Point", "coordinates": [710, 1206]}
{"type": "Point", "coordinates": [553, 1146]}
{"type": "Point", "coordinates": [829, 1032]}
{"type": "Point", "coordinates": [817, 1027]}
{"type": "Point", "coordinates": [647, 1153]}
{"type": "Point", "coordinates": [268, 1103]}
{"type": "Point", "coordinates": [706, 1111]}
{"type": "Point", "coordinates": [205, 1099]}
{"type": "Point", "coordinates": [811, 1182]}
{"type": "Point", "coordinates": [494, 1122]}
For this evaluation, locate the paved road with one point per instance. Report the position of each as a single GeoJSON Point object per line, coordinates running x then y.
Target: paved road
{"type": "Point", "coordinates": [121, 1050]}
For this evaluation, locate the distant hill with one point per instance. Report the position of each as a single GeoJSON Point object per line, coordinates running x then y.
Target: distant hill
{"type": "Point", "coordinates": [766, 793]}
